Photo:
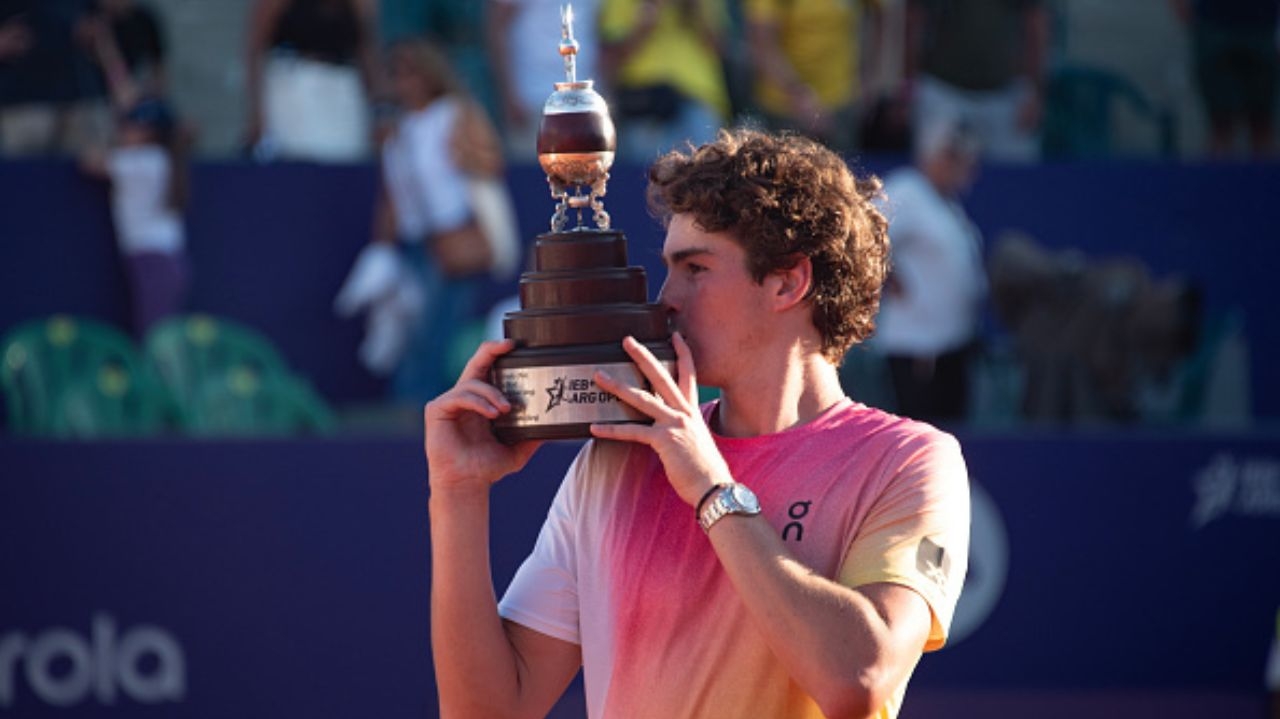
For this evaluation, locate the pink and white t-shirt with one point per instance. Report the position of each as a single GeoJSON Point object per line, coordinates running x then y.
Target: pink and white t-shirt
{"type": "Point", "coordinates": [622, 569]}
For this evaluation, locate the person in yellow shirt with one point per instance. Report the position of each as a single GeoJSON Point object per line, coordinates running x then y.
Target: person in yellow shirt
{"type": "Point", "coordinates": [663, 72]}
{"type": "Point", "coordinates": [810, 58]}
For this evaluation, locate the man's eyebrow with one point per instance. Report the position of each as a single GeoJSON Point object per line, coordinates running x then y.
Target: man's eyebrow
{"type": "Point", "coordinates": [681, 255]}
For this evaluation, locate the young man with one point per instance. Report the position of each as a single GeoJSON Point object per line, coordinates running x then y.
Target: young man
{"type": "Point", "coordinates": [783, 552]}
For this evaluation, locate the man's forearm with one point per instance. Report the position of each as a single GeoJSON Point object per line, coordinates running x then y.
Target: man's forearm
{"type": "Point", "coordinates": [833, 640]}
{"type": "Point", "coordinates": [770, 61]}
{"type": "Point", "coordinates": [497, 31]}
{"type": "Point", "coordinates": [475, 666]}
{"type": "Point", "coordinates": [1036, 28]}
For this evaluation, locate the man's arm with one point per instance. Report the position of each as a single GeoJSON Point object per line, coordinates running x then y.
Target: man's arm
{"type": "Point", "coordinates": [847, 648]}
{"type": "Point", "coordinates": [870, 47]}
{"type": "Point", "coordinates": [917, 19]}
{"type": "Point", "coordinates": [772, 64]}
{"type": "Point", "coordinates": [1035, 28]}
{"type": "Point", "coordinates": [367, 57]}
{"type": "Point", "coordinates": [124, 91]}
{"type": "Point", "coordinates": [484, 667]}
{"type": "Point", "coordinates": [262, 21]}
{"type": "Point", "coordinates": [499, 14]}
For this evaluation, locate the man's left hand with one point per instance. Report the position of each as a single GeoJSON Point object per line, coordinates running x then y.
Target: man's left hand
{"type": "Point", "coordinates": [679, 434]}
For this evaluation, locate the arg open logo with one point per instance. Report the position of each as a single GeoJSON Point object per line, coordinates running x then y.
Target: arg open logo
{"type": "Point", "coordinates": [64, 668]}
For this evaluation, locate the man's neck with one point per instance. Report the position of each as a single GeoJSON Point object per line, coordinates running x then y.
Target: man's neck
{"type": "Point", "coordinates": [774, 399]}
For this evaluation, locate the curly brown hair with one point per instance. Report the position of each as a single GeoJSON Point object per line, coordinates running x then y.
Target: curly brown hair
{"type": "Point", "coordinates": [783, 197]}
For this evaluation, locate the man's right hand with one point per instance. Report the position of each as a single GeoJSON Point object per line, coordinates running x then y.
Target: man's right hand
{"type": "Point", "coordinates": [462, 451]}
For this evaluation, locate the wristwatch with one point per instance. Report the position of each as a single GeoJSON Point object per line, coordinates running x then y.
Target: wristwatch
{"type": "Point", "coordinates": [731, 498]}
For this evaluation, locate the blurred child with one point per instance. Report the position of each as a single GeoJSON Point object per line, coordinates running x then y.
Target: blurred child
{"type": "Point", "coordinates": [146, 169]}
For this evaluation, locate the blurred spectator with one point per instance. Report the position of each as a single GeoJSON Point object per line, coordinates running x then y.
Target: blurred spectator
{"type": "Point", "coordinates": [138, 35]}
{"type": "Point", "coordinates": [146, 168]}
{"type": "Point", "coordinates": [523, 37]}
{"type": "Point", "coordinates": [1237, 66]}
{"type": "Point", "coordinates": [981, 61]}
{"type": "Point", "coordinates": [458, 28]}
{"type": "Point", "coordinates": [929, 312]}
{"type": "Point", "coordinates": [312, 69]}
{"type": "Point", "coordinates": [51, 93]}
{"type": "Point", "coordinates": [812, 60]}
{"type": "Point", "coordinates": [1097, 337]}
{"type": "Point", "coordinates": [662, 60]}
{"type": "Point", "coordinates": [444, 219]}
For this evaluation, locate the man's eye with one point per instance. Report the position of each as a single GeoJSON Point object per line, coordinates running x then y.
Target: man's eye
{"type": "Point", "coordinates": [695, 269]}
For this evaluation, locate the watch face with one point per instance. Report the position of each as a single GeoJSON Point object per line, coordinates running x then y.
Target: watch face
{"type": "Point", "coordinates": [745, 498]}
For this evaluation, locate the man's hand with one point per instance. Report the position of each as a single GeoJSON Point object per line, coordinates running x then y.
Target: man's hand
{"type": "Point", "coordinates": [679, 434]}
{"type": "Point", "coordinates": [462, 452]}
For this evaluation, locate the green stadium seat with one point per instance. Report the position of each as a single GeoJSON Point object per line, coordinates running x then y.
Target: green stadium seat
{"type": "Point", "coordinates": [227, 378]}
{"type": "Point", "coordinates": [67, 376]}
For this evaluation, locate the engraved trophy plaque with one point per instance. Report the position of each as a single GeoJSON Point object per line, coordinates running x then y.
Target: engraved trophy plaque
{"type": "Point", "coordinates": [582, 298]}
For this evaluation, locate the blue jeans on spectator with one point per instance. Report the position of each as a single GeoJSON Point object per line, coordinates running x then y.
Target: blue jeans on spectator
{"type": "Point", "coordinates": [448, 303]}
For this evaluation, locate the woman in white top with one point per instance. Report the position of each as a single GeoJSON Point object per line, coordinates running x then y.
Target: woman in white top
{"type": "Point", "coordinates": [435, 235]}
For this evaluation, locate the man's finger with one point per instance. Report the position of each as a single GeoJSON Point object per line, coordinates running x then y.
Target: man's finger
{"type": "Point", "coordinates": [524, 450]}
{"type": "Point", "coordinates": [469, 398]}
{"type": "Point", "coordinates": [623, 432]}
{"type": "Point", "coordinates": [653, 370]}
{"type": "Point", "coordinates": [482, 361]}
{"type": "Point", "coordinates": [484, 389]}
{"type": "Point", "coordinates": [637, 398]}
{"type": "Point", "coordinates": [686, 378]}
{"type": "Point", "coordinates": [453, 404]}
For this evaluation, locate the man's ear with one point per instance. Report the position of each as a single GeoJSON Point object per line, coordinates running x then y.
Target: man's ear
{"type": "Point", "coordinates": [790, 286]}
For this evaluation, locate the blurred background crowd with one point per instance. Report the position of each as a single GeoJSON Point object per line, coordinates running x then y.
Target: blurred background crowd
{"type": "Point", "coordinates": [440, 99]}
{"type": "Point", "coordinates": [1195, 77]}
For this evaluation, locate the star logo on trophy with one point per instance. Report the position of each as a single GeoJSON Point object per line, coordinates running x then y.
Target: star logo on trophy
{"type": "Point", "coordinates": [556, 393]}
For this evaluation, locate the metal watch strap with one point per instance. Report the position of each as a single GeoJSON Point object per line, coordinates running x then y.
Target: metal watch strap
{"type": "Point", "coordinates": [721, 503]}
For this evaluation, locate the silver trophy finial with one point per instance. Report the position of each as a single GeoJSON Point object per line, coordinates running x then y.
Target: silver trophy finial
{"type": "Point", "coordinates": [568, 45]}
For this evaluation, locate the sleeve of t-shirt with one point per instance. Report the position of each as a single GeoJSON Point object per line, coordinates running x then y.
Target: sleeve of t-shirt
{"type": "Point", "coordinates": [543, 595]}
{"type": "Point", "coordinates": [917, 531]}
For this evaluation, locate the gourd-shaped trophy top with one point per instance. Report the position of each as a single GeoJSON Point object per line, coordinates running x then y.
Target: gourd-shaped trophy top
{"type": "Point", "coordinates": [576, 139]}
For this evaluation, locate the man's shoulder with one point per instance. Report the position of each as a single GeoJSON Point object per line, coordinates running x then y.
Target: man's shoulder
{"type": "Point", "coordinates": [890, 432]}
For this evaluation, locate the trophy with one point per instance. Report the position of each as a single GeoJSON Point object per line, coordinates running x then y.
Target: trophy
{"type": "Point", "coordinates": [582, 298]}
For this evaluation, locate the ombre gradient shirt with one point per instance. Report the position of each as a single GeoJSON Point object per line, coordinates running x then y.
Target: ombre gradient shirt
{"type": "Point", "coordinates": [622, 569]}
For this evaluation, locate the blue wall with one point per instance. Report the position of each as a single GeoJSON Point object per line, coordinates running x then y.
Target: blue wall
{"type": "Point", "coordinates": [293, 576]}
{"type": "Point", "coordinates": [271, 244]}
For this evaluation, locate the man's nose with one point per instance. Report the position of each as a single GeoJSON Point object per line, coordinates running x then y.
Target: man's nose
{"type": "Point", "coordinates": [664, 294]}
